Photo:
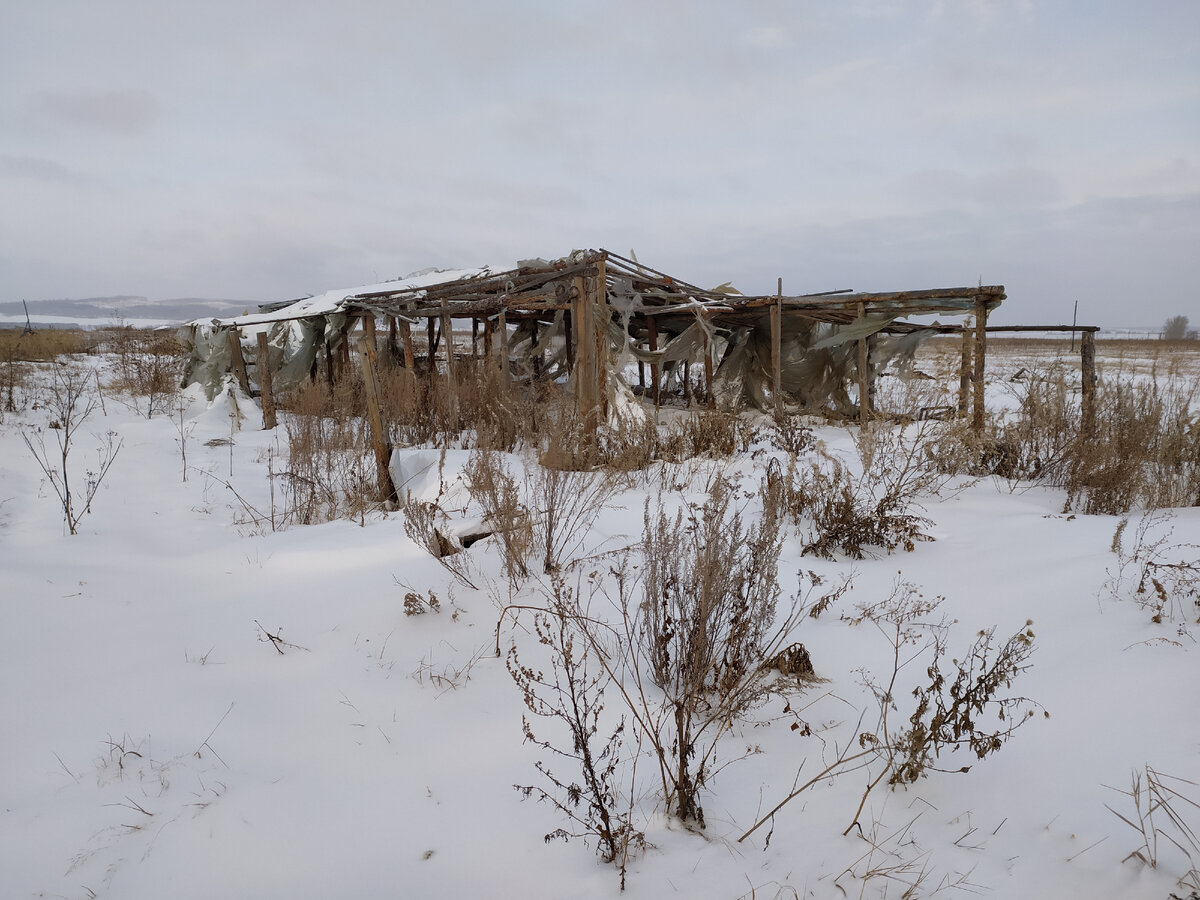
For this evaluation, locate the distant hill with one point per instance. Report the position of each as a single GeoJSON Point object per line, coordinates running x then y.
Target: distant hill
{"type": "Point", "coordinates": [104, 310]}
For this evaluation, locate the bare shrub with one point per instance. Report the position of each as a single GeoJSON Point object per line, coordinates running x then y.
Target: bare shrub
{"type": "Point", "coordinates": [502, 498]}
{"type": "Point", "coordinates": [146, 364]}
{"type": "Point", "coordinates": [571, 699]}
{"type": "Point", "coordinates": [966, 709]}
{"type": "Point", "coordinates": [1161, 576]}
{"type": "Point", "coordinates": [1160, 817]}
{"type": "Point", "coordinates": [849, 514]}
{"type": "Point", "coordinates": [328, 474]}
{"type": "Point", "coordinates": [706, 626]}
{"type": "Point", "coordinates": [423, 523]}
{"type": "Point", "coordinates": [70, 400]}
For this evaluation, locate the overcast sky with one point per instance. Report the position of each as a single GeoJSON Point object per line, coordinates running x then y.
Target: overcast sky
{"type": "Point", "coordinates": [268, 150]}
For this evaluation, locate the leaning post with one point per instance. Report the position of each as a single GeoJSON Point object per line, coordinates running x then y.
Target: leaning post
{"type": "Point", "coordinates": [239, 361]}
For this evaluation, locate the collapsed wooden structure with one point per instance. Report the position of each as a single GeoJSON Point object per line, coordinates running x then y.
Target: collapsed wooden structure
{"type": "Point", "coordinates": [588, 317]}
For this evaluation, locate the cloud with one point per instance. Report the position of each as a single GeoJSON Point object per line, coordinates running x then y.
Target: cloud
{"type": "Point", "coordinates": [111, 112]}
{"type": "Point", "coordinates": [36, 168]}
{"type": "Point", "coordinates": [767, 37]}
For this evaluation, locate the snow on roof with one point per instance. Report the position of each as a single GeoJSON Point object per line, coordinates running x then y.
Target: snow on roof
{"type": "Point", "coordinates": [333, 301]}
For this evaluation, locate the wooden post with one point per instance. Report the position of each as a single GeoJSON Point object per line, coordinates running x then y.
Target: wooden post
{"type": "Point", "coordinates": [410, 358]}
{"type": "Point", "coordinates": [569, 337]}
{"type": "Point", "coordinates": [328, 365]}
{"type": "Point", "coordinates": [379, 437]}
{"type": "Point", "coordinates": [487, 338]}
{"type": "Point", "coordinates": [264, 382]}
{"type": "Point", "coordinates": [239, 361]}
{"type": "Point", "coordinates": [964, 373]}
{"type": "Point", "coordinates": [448, 340]}
{"type": "Point", "coordinates": [652, 343]}
{"type": "Point", "coordinates": [864, 375]}
{"type": "Point", "coordinates": [1087, 355]}
{"type": "Point", "coordinates": [502, 325]}
{"type": "Point", "coordinates": [977, 412]}
{"type": "Point", "coordinates": [391, 340]}
{"type": "Point", "coordinates": [431, 342]}
{"type": "Point", "coordinates": [600, 319]}
{"type": "Point", "coordinates": [777, 350]}
{"type": "Point", "coordinates": [710, 401]}
{"type": "Point", "coordinates": [586, 398]}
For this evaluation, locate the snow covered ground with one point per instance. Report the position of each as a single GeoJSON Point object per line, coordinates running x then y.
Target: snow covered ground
{"type": "Point", "coordinates": [196, 705]}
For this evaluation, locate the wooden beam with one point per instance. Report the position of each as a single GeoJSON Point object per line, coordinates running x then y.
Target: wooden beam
{"type": "Point", "coordinates": [264, 382]}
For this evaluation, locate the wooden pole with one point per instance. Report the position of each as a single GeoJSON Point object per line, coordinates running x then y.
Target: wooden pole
{"type": "Point", "coordinates": [410, 358]}
{"type": "Point", "coordinates": [328, 365]}
{"type": "Point", "coordinates": [964, 373]}
{"type": "Point", "coordinates": [568, 334]}
{"type": "Point", "coordinates": [502, 325]}
{"type": "Point", "coordinates": [652, 343]}
{"type": "Point", "coordinates": [864, 375]}
{"type": "Point", "coordinates": [977, 412]}
{"type": "Point", "coordinates": [379, 437]}
{"type": "Point", "coordinates": [264, 382]}
{"type": "Point", "coordinates": [586, 398]}
{"type": "Point", "coordinates": [391, 340]}
{"type": "Point", "coordinates": [239, 361]}
{"type": "Point", "coordinates": [777, 350]}
{"type": "Point", "coordinates": [431, 342]}
{"type": "Point", "coordinates": [1087, 354]}
{"type": "Point", "coordinates": [600, 319]}
{"type": "Point", "coordinates": [448, 340]}
{"type": "Point", "coordinates": [710, 400]}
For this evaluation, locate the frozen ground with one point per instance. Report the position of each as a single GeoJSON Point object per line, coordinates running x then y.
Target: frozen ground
{"type": "Point", "coordinates": [159, 744]}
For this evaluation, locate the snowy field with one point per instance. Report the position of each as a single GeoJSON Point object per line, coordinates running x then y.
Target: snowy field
{"type": "Point", "coordinates": [198, 705]}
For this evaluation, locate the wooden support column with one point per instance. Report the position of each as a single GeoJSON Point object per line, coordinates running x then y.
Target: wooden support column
{"type": "Point", "coordinates": [569, 336]}
{"type": "Point", "coordinates": [600, 320]}
{"type": "Point", "coordinates": [1087, 355]}
{"type": "Point", "coordinates": [379, 436]}
{"type": "Point", "coordinates": [977, 411]}
{"type": "Point", "coordinates": [239, 361]}
{"type": "Point", "coordinates": [586, 387]}
{"type": "Point", "coordinates": [431, 342]}
{"type": "Point", "coordinates": [709, 400]}
{"type": "Point", "coordinates": [448, 340]}
{"type": "Point", "coordinates": [777, 351]}
{"type": "Point", "coordinates": [410, 358]}
{"type": "Point", "coordinates": [652, 344]}
{"type": "Point", "coordinates": [502, 326]}
{"type": "Point", "coordinates": [264, 382]}
{"type": "Point", "coordinates": [964, 373]}
{"type": "Point", "coordinates": [487, 339]}
{"type": "Point", "coordinates": [391, 340]}
{"type": "Point", "coordinates": [864, 375]}
{"type": "Point", "coordinates": [328, 365]}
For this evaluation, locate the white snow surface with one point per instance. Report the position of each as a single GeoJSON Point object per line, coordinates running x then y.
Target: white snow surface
{"type": "Point", "coordinates": [157, 744]}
